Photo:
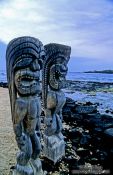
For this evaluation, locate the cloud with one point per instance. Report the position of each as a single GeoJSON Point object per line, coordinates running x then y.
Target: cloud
{"type": "Point", "coordinates": [80, 64]}
{"type": "Point", "coordinates": [85, 25]}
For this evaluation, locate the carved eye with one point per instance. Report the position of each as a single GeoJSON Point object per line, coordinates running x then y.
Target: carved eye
{"type": "Point", "coordinates": [64, 68]}
{"type": "Point", "coordinates": [35, 65]}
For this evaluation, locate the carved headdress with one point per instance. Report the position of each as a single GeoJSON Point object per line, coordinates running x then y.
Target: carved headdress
{"type": "Point", "coordinates": [56, 54]}
{"type": "Point", "coordinates": [21, 52]}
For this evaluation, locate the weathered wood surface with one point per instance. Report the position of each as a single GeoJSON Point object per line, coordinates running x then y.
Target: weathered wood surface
{"type": "Point", "coordinates": [53, 80]}
{"type": "Point", "coordinates": [24, 57]}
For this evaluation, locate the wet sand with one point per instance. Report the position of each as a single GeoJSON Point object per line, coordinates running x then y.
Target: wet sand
{"type": "Point", "coordinates": [8, 147]}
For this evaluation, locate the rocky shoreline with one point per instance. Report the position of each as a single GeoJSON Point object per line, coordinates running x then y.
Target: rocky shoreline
{"type": "Point", "coordinates": [91, 136]}
{"type": "Point", "coordinates": [88, 86]}
{"type": "Point", "coordinates": [95, 92]}
{"type": "Point", "coordinates": [88, 132]}
{"type": "Point", "coordinates": [89, 141]}
{"type": "Point", "coordinates": [4, 85]}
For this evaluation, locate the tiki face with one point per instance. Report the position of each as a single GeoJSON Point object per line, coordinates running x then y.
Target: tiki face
{"type": "Point", "coordinates": [27, 79]}
{"type": "Point", "coordinates": [58, 74]}
{"type": "Point", "coordinates": [24, 57]}
{"type": "Point", "coordinates": [61, 70]}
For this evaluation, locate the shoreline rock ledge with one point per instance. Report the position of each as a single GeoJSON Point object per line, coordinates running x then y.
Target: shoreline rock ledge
{"type": "Point", "coordinates": [90, 134]}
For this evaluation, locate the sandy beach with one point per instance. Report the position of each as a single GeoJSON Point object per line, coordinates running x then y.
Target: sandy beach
{"type": "Point", "coordinates": [8, 147]}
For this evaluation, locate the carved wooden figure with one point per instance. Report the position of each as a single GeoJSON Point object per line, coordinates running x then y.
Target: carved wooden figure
{"type": "Point", "coordinates": [53, 80]}
{"type": "Point", "coordinates": [24, 58]}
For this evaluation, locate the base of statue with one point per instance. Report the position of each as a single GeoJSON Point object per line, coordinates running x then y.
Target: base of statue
{"type": "Point", "coordinates": [54, 147]}
{"type": "Point", "coordinates": [33, 168]}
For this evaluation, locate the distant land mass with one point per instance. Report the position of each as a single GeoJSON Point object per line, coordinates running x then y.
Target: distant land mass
{"type": "Point", "coordinates": [101, 71]}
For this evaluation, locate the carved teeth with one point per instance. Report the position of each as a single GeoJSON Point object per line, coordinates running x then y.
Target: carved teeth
{"type": "Point", "coordinates": [61, 78]}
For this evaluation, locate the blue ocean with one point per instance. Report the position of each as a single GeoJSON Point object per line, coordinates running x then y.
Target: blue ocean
{"type": "Point", "coordinates": [76, 76]}
{"type": "Point", "coordinates": [93, 77]}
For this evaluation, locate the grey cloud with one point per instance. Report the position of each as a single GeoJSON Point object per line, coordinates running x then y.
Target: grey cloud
{"type": "Point", "coordinates": [85, 25]}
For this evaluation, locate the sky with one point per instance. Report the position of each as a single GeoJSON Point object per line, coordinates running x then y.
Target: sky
{"type": "Point", "coordinates": [85, 25]}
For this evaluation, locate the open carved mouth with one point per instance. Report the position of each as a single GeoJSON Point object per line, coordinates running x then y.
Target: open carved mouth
{"type": "Point", "coordinates": [61, 75]}
{"type": "Point", "coordinates": [62, 72]}
{"type": "Point", "coordinates": [27, 81]}
{"type": "Point", "coordinates": [62, 78]}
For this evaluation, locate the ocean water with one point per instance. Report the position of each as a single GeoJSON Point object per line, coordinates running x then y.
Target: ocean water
{"type": "Point", "coordinates": [75, 76]}
{"type": "Point", "coordinates": [3, 76]}
{"type": "Point", "coordinates": [103, 98]}
{"type": "Point", "coordinates": [93, 77]}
